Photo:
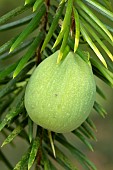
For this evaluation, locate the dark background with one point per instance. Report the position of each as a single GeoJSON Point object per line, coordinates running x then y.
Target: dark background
{"type": "Point", "coordinates": [103, 148]}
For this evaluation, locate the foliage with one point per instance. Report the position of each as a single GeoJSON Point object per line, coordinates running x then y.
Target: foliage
{"type": "Point", "coordinates": [58, 24]}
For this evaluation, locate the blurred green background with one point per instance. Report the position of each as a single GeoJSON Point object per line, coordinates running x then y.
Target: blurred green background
{"type": "Point", "coordinates": [103, 148]}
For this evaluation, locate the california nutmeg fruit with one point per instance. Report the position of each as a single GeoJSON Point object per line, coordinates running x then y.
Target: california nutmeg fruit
{"type": "Point", "coordinates": [59, 97]}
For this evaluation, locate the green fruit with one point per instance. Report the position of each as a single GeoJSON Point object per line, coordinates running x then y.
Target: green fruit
{"type": "Point", "coordinates": [59, 97]}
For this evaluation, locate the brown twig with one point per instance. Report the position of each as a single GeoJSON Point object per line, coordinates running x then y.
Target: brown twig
{"type": "Point", "coordinates": [40, 132]}
{"type": "Point", "coordinates": [43, 27]}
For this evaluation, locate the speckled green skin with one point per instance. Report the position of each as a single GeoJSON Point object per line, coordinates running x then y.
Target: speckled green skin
{"type": "Point", "coordinates": [59, 97]}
